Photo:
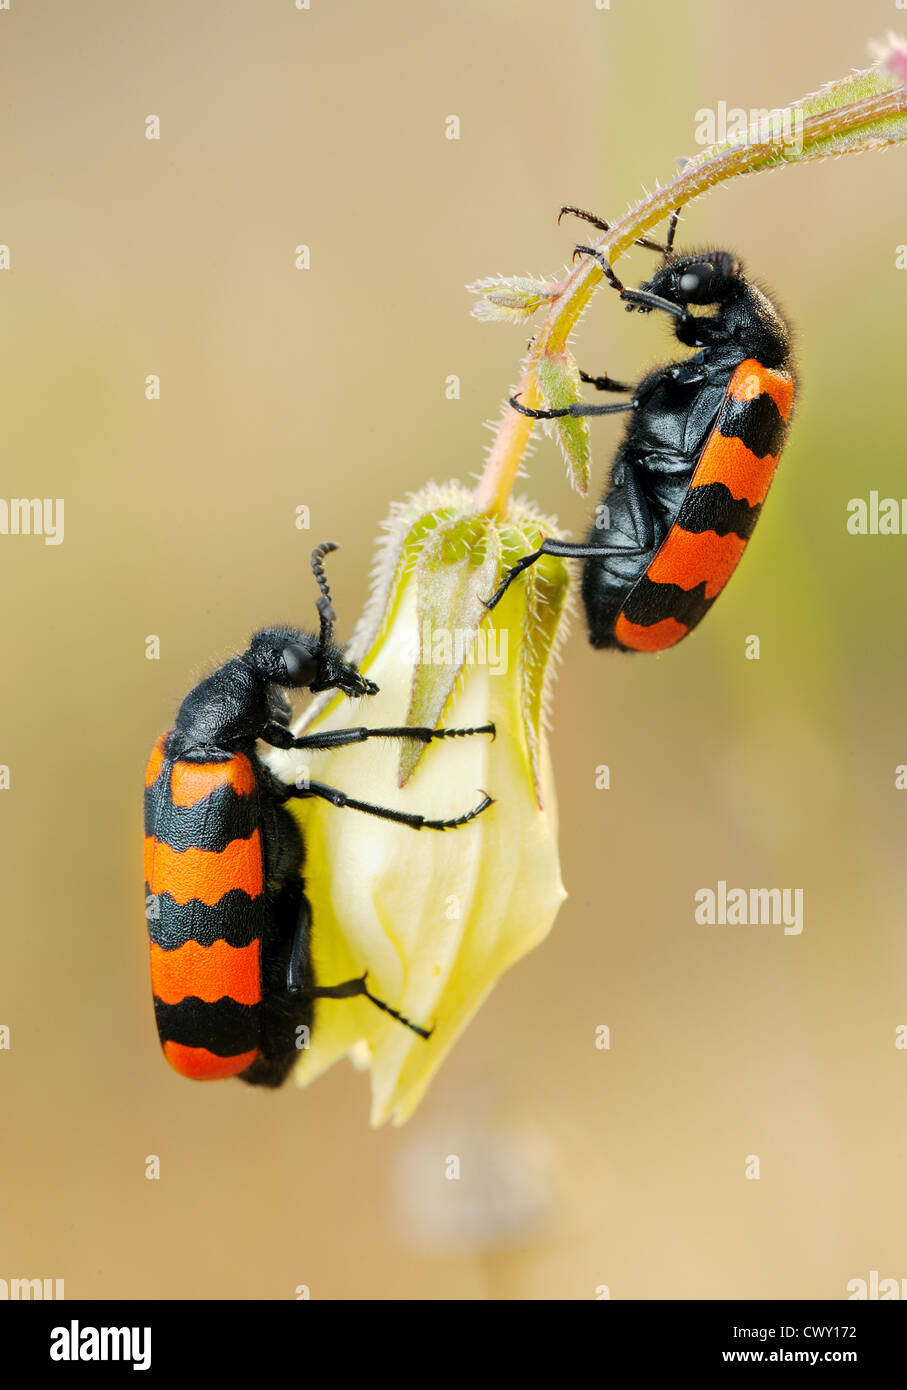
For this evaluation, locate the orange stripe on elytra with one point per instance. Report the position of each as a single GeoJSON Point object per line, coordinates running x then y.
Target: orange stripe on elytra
{"type": "Point", "coordinates": [689, 557]}
{"type": "Point", "coordinates": [201, 1065]}
{"type": "Point", "coordinates": [192, 782]}
{"type": "Point", "coordinates": [655, 638]}
{"type": "Point", "coordinates": [751, 380]}
{"type": "Point", "coordinates": [729, 461]}
{"type": "Point", "coordinates": [155, 762]}
{"type": "Point", "coordinates": [204, 874]}
{"type": "Point", "coordinates": [210, 972]}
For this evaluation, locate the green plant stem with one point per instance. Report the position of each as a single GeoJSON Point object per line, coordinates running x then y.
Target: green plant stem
{"type": "Point", "coordinates": [702, 173]}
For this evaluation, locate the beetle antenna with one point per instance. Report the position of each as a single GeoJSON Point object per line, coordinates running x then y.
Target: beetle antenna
{"type": "Point", "coordinates": [324, 605]}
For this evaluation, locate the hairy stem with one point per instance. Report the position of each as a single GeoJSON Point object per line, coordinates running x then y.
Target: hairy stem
{"type": "Point", "coordinates": [869, 122]}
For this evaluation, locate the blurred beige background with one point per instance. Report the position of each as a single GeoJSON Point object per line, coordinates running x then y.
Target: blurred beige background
{"type": "Point", "coordinates": [280, 388]}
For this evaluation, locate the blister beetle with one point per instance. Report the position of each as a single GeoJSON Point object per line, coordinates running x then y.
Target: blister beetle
{"type": "Point", "coordinates": [228, 918]}
{"type": "Point", "coordinates": [697, 459]}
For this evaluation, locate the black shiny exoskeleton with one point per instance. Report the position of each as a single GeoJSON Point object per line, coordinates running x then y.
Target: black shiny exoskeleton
{"type": "Point", "coordinates": [736, 387]}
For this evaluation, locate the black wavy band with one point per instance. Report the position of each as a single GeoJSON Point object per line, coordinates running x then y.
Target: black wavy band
{"type": "Point", "coordinates": [757, 423]}
{"type": "Point", "coordinates": [237, 919]}
{"type": "Point", "coordinates": [713, 508]}
{"type": "Point", "coordinates": [210, 824]}
{"type": "Point", "coordinates": [225, 1028]}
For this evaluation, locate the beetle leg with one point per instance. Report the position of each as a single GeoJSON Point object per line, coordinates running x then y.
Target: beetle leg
{"type": "Point", "coordinates": [300, 949]}
{"type": "Point", "coordinates": [672, 229]}
{"type": "Point", "coordinates": [352, 989]}
{"type": "Point", "coordinates": [639, 509]}
{"type": "Point", "coordinates": [568, 550]}
{"type": "Point", "coordinates": [339, 738]}
{"type": "Point", "coordinates": [610, 275]}
{"type": "Point", "coordinates": [410, 818]}
{"type": "Point", "coordinates": [606, 227]}
{"type": "Point", "coordinates": [277, 735]}
{"type": "Point", "coordinates": [605, 383]}
{"type": "Point", "coordinates": [641, 298]}
{"type": "Point", "coordinates": [577, 410]}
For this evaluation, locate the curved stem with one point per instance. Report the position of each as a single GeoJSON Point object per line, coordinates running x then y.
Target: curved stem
{"type": "Point", "coordinates": [820, 134]}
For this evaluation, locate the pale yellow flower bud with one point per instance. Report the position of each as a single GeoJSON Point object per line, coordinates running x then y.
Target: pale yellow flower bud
{"type": "Point", "coordinates": [434, 917]}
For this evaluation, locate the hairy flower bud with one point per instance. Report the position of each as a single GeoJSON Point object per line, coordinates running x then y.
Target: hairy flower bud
{"type": "Point", "coordinates": [435, 918]}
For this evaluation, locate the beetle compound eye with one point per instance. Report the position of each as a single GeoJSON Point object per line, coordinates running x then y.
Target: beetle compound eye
{"type": "Point", "coordinates": [695, 282]}
{"type": "Point", "coordinates": [301, 667]}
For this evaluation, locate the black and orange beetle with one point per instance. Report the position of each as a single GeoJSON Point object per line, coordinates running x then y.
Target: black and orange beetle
{"type": "Point", "coordinates": [228, 918]}
{"type": "Point", "coordinates": [697, 459]}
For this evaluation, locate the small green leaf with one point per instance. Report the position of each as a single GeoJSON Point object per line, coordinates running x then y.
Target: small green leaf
{"type": "Point", "coordinates": [559, 382]}
{"type": "Point", "coordinates": [531, 614]}
{"type": "Point", "coordinates": [458, 567]}
{"type": "Point", "coordinates": [549, 589]}
{"type": "Point", "coordinates": [508, 299]}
